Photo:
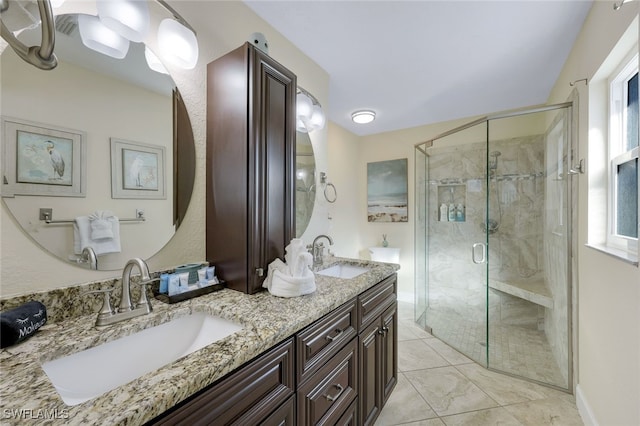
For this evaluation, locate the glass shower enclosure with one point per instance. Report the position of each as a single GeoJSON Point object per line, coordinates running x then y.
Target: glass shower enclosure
{"type": "Point", "coordinates": [493, 242]}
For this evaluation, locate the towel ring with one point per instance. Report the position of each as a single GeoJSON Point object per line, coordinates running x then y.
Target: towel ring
{"type": "Point", "coordinates": [335, 192]}
{"type": "Point", "coordinates": [323, 181]}
{"type": "Point", "coordinates": [39, 56]}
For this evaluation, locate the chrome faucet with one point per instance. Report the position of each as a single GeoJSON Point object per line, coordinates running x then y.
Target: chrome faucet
{"type": "Point", "coordinates": [126, 310]}
{"type": "Point", "coordinates": [317, 249]}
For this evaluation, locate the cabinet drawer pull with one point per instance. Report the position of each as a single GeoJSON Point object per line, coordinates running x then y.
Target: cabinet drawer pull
{"type": "Point", "coordinates": [260, 272]}
{"type": "Point", "coordinates": [332, 338]}
{"type": "Point", "coordinates": [333, 398]}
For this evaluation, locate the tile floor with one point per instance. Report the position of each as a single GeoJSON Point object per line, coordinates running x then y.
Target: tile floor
{"type": "Point", "coordinates": [439, 386]}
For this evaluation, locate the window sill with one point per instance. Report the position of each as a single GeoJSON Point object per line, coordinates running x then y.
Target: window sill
{"type": "Point", "coordinates": [625, 256]}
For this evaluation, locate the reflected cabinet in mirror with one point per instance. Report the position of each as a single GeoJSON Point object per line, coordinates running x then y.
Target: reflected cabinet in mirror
{"type": "Point", "coordinates": [94, 134]}
{"type": "Point", "coordinates": [305, 182]}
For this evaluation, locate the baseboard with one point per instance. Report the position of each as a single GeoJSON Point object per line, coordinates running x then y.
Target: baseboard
{"type": "Point", "coordinates": [584, 409]}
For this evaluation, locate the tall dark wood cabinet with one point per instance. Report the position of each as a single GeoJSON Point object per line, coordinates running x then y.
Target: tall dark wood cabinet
{"type": "Point", "coordinates": [250, 165]}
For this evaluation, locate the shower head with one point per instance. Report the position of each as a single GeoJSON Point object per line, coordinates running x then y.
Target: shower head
{"type": "Point", "coordinates": [495, 154]}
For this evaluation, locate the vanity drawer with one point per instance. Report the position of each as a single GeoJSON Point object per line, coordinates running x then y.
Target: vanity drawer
{"type": "Point", "coordinates": [373, 302]}
{"type": "Point", "coordinates": [322, 339]}
{"type": "Point", "coordinates": [247, 396]}
{"type": "Point", "coordinates": [328, 394]}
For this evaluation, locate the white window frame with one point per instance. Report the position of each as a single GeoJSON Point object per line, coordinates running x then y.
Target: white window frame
{"type": "Point", "coordinates": [618, 154]}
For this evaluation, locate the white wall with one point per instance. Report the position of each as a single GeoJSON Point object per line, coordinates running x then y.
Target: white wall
{"type": "Point", "coordinates": [608, 340]}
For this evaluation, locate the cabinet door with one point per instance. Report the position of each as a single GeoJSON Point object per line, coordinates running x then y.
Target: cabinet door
{"type": "Point", "coordinates": [271, 164]}
{"type": "Point", "coordinates": [369, 392]}
{"type": "Point", "coordinates": [389, 354]}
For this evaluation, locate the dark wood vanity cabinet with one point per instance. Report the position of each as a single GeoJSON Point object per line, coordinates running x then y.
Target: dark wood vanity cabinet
{"type": "Point", "coordinates": [339, 370]}
{"type": "Point", "coordinates": [250, 165]}
{"type": "Point", "coordinates": [378, 346]}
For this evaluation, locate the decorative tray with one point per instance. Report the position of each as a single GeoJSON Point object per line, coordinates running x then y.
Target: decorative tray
{"type": "Point", "coordinates": [188, 294]}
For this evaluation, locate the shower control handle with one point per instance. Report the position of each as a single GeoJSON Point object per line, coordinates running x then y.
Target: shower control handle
{"type": "Point", "coordinates": [483, 252]}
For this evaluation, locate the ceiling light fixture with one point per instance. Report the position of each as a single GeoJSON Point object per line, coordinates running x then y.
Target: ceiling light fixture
{"type": "Point", "coordinates": [363, 117]}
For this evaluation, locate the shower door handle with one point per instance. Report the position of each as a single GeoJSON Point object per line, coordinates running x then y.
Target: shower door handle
{"type": "Point", "coordinates": [483, 252]}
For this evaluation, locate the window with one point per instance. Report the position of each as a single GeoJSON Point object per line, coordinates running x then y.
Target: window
{"type": "Point", "coordinates": [623, 157]}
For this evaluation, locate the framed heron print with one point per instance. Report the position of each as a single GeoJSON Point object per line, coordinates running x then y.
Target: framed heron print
{"type": "Point", "coordinates": [42, 159]}
{"type": "Point", "coordinates": [137, 170]}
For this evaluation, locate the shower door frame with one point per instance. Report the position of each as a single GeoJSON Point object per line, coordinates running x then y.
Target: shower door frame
{"type": "Point", "coordinates": [571, 152]}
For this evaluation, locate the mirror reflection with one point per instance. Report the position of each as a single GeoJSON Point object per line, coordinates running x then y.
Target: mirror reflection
{"type": "Point", "coordinates": [305, 182]}
{"type": "Point", "coordinates": [125, 115]}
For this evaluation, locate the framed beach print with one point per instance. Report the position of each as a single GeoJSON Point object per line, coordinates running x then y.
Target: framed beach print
{"type": "Point", "coordinates": [42, 159]}
{"type": "Point", "coordinates": [137, 170]}
{"type": "Point", "coordinates": [387, 194]}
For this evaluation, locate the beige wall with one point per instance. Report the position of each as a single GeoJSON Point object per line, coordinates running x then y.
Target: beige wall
{"type": "Point", "coordinates": [608, 289]}
{"type": "Point", "coordinates": [221, 26]}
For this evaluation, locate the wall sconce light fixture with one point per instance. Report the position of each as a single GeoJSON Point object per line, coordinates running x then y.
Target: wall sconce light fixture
{"type": "Point", "coordinates": [129, 20]}
{"type": "Point", "coordinates": [309, 113]}
{"type": "Point", "coordinates": [97, 36]}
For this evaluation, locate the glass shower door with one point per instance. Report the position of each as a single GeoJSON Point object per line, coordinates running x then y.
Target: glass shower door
{"type": "Point", "coordinates": [455, 197]}
{"type": "Point", "coordinates": [528, 241]}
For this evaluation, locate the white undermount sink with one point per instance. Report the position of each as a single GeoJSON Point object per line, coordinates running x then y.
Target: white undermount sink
{"type": "Point", "coordinates": [344, 270]}
{"type": "Point", "coordinates": [85, 375]}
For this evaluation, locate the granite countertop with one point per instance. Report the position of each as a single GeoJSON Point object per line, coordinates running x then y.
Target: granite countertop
{"type": "Point", "coordinates": [27, 394]}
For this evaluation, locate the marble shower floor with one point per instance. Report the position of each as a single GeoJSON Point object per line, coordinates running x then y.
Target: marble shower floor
{"type": "Point", "coordinates": [518, 350]}
{"type": "Point", "coordinates": [437, 385]}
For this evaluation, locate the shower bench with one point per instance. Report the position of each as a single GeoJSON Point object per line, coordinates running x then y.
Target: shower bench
{"type": "Point", "coordinates": [535, 291]}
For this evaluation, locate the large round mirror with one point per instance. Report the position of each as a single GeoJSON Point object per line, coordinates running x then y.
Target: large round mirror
{"type": "Point", "coordinates": [305, 182]}
{"type": "Point", "coordinates": [126, 137]}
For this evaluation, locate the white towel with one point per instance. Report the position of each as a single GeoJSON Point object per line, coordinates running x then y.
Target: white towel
{"type": "Point", "coordinates": [82, 236]}
{"type": "Point", "coordinates": [282, 285]}
{"type": "Point", "coordinates": [101, 226]}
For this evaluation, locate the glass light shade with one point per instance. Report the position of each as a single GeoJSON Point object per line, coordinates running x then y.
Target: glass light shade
{"type": "Point", "coordinates": [363, 117]}
{"type": "Point", "coordinates": [129, 18]}
{"type": "Point", "coordinates": [318, 119]}
{"type": "Point", "coordinates": [153, 61]}
{"type": "Point", "coordinates": [300, 126]}
{"type": "Point", "coordinates": [304, 107]}
{"type": "Point", "coordinates": [96, 36]}
{"type": "Point", "coordinates": [178, 44]}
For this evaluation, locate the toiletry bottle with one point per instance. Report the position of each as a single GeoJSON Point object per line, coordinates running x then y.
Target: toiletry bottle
{"type": "Point", "coordinates": [444, 213]}
{"type": "Point", "coordinates": [452, 212]}
{"type": "Point", "coordinates": [460, 213]}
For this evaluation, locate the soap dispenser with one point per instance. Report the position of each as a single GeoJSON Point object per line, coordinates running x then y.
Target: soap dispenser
{"type": "Point", "coordinates": [452, 212]}
{"type": "Point", "coordinates": [444, 213]}
{"type": "Point", "coordinates": [460, 217]}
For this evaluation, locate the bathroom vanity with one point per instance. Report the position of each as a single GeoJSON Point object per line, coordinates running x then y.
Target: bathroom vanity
{"type": "Point", "coordinates": [325, 358]}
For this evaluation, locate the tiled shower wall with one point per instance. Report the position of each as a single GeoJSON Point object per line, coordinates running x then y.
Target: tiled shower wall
{"type": "Point", "coordinates": [516, 200]}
